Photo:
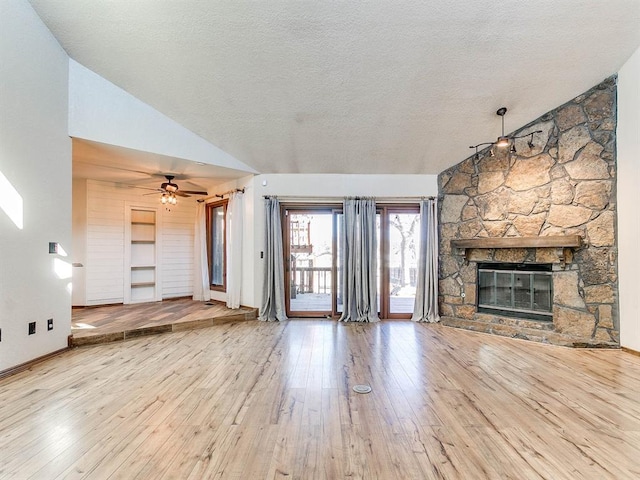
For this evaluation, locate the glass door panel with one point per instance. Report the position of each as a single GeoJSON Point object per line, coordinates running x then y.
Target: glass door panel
{"type": "Point", "coordinates": [403, 250]}
{"type": "Point", "coordinates": [310, 263]}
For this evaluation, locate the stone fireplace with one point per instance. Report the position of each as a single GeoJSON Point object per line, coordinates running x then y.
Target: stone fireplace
{"type": "Point", "coordinates": [548, 210]}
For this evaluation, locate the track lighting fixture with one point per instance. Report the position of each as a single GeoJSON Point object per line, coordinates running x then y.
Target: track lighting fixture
{"type": "Point", "coordinates": [503, 140]}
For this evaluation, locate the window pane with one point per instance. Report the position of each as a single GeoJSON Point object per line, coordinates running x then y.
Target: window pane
{"type": "Point", "coordinates": [404, 242]}
{"type": "Point", "coordinates": [217, 247]}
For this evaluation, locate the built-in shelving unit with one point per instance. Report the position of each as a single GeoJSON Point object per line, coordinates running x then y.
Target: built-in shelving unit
{"type": "Point", "coordinates": [142, 282]}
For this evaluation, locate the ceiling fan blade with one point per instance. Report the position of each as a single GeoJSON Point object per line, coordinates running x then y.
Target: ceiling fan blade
{"type": "Point", "coordinates": [138, 186]}
{"type": "Point", "coordinates": [180, 194]}
{"type": "Point", "coordinates": [194, 192]}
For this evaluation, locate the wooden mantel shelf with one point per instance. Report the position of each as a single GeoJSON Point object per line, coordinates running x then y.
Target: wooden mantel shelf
{"type": "Point", "coordinates": [519, 242]}
{"type": "Point", "coordinates": [559, 242]}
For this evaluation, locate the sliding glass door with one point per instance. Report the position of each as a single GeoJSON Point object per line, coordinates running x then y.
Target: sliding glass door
{"type": "Point", "coordinates": [313, 256]}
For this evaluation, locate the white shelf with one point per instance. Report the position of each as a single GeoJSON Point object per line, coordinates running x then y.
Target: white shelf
{"type": "Point", "coordinates": [142, 282]}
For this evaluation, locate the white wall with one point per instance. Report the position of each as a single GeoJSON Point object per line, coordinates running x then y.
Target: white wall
{"type": "Point", "coordinates": [35, 157]}
{"type": "Point", "coordinates": [628, 158]}
{"type": "Point", "coordinates": [104, 262]}
{"type": "Point", "coordinates": [103, 112]}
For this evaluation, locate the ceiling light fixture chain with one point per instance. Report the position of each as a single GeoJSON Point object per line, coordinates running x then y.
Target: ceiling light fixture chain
{"type": "Point", "coordinates": [504, 140]}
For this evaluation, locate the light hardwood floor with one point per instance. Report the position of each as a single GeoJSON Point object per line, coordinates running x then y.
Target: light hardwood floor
{"type": "Point", "coordinates": [252, 400]}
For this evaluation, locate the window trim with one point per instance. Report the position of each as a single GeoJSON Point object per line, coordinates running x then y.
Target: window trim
{"type": "Point", "coordinates": [210, 207]}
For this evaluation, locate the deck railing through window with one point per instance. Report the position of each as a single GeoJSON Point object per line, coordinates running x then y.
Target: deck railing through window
{"type": "Point", "coordinates": [311, 280]}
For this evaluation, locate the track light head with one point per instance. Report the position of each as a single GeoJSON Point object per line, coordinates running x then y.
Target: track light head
{"type": "Point", "coordinates": [502, 142]}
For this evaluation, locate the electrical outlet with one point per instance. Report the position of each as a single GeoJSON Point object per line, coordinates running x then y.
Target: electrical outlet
{"type": "Point", "coordinates": [32, 328]}
{"type": "Point", "coordinates": [50, 324]}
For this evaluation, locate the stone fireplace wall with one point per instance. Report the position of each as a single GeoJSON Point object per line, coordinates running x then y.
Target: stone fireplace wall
{"type": "Point", "coordinates": [564, 185]}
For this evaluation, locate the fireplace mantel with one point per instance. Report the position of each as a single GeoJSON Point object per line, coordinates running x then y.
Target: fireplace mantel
{"type": "Point", "coordinates": [559, 242]}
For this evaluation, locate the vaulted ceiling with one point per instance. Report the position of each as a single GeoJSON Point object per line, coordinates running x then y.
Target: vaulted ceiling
{"type": "Point", "coordinates": [311, 86]}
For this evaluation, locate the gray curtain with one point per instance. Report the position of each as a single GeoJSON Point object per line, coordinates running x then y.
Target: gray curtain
{"type": "Point", "coordinates": [273, 308]}
{"type": "Point", "coordinates": [201, 287]}
{"type": "Point", "coordinates": [359, 261]}
{"type": "Point", "coordinates": [426, 306]}
{"type": "Point", "coordinates": [233, 234]}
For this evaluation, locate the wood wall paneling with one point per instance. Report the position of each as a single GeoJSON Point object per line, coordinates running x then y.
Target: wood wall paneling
{"type": "Point", "coordinates": [104, 264]}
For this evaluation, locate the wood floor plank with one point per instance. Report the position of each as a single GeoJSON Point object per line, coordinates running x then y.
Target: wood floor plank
{"type": "Point", "coordinates": [260, 400]}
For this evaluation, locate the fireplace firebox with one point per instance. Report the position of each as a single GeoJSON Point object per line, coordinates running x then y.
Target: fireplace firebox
{"type": "Point", "coordinates": [516, 290]}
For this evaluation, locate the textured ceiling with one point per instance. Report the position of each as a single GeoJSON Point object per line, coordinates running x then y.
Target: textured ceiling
{"type": "Point", "coordinates": [313, 86]}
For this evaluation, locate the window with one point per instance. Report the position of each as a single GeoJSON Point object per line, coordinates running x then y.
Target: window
{"type": "Point", "coordinates": [216, 244]}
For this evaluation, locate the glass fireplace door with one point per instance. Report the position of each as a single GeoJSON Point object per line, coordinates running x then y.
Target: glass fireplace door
{"type": "Point", "coordinates": [516, 290]}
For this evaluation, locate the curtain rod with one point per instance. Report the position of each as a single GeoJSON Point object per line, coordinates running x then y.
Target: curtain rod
{"type": "Point", "coordinates": [220, 195]}
{"type": "Point", "coordinates": [292, 198]}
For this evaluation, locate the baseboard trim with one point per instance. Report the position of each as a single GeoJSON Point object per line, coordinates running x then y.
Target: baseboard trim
{"type": "Point", "coordinates": [27, 365]}
{"type": "Point", "coordinates": [631, 351]}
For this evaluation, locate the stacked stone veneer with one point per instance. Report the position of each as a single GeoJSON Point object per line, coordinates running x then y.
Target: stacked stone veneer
{"type": "Point", "coordinates": [564, 185]}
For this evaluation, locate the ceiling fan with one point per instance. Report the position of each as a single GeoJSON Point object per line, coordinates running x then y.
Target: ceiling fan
{"type": "Point", "coordinates": [170, 191]}
{"type": "Point", "coordinates": [170, 187]}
